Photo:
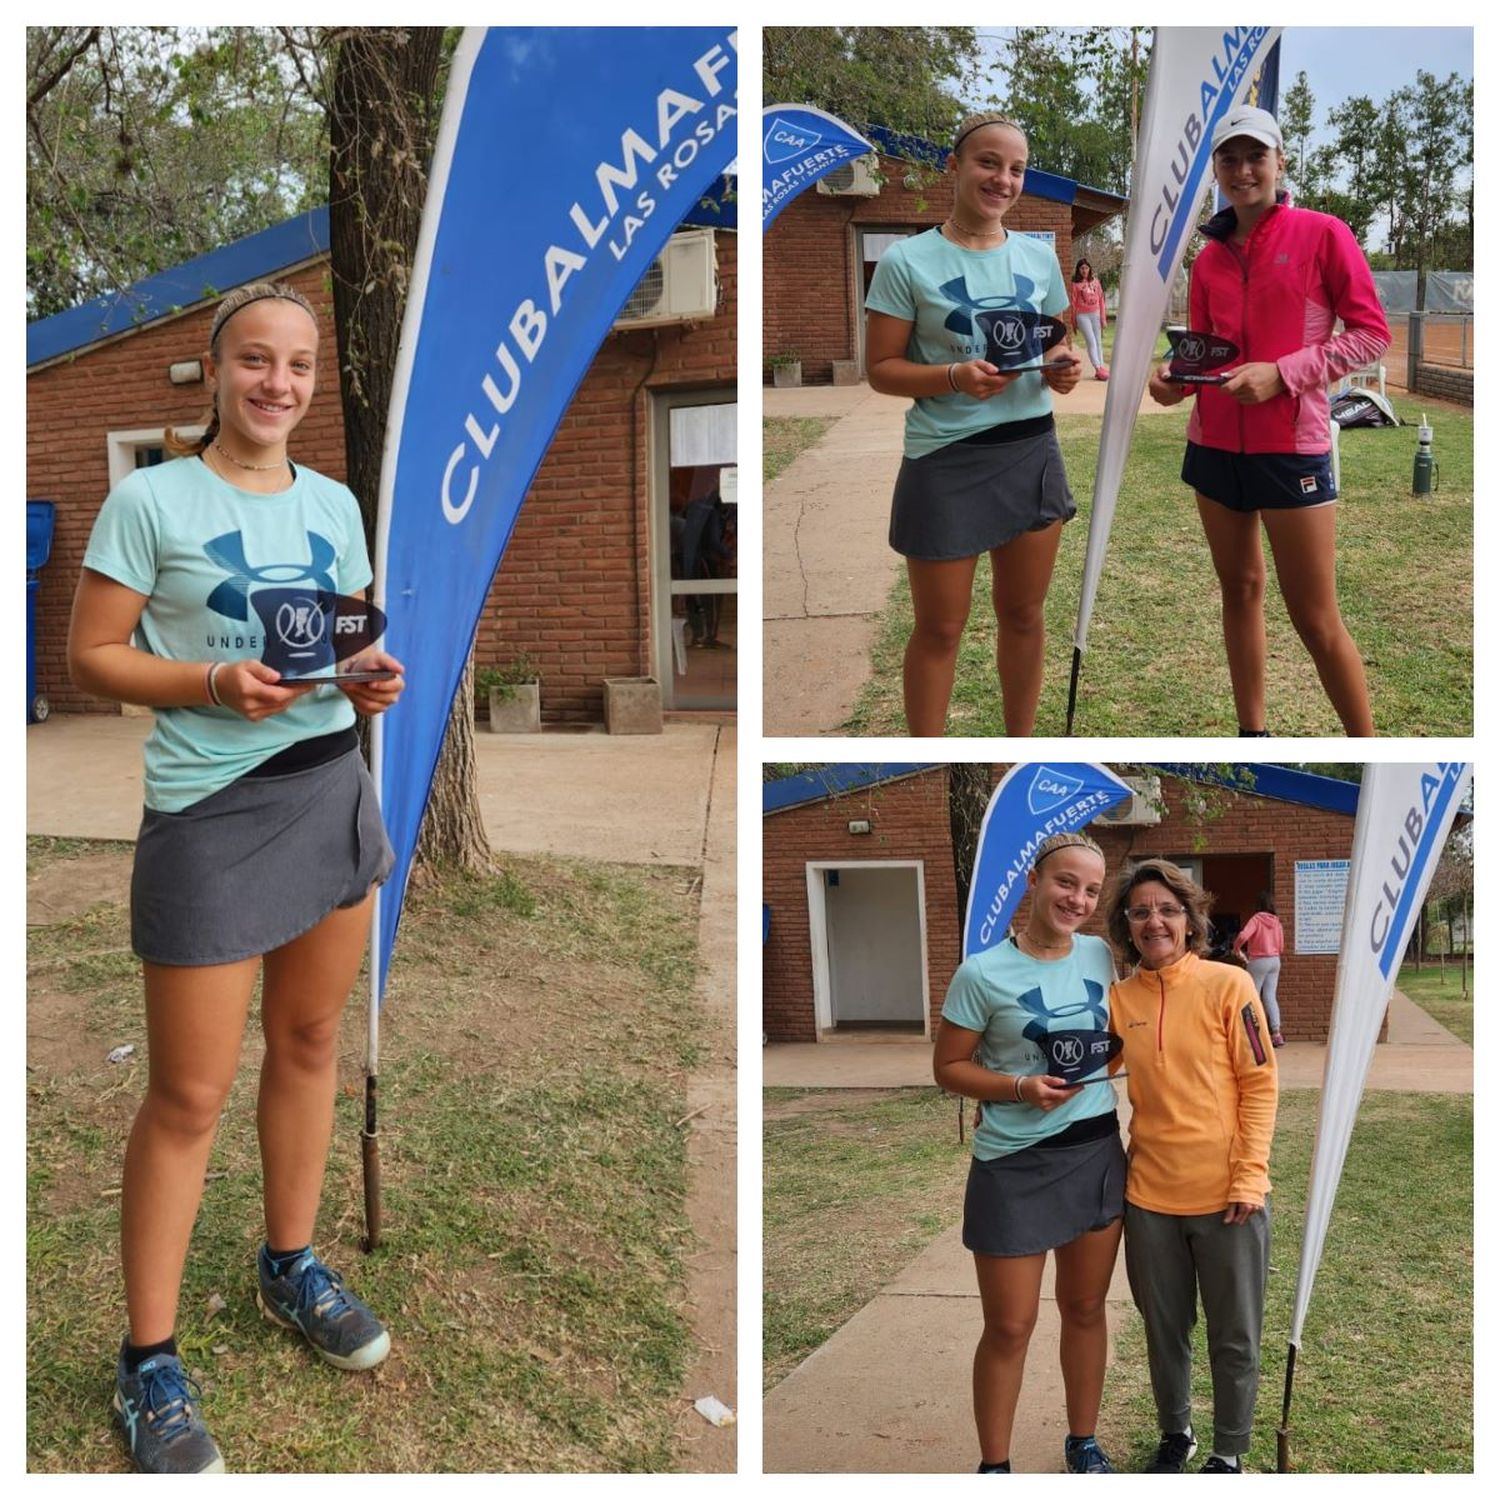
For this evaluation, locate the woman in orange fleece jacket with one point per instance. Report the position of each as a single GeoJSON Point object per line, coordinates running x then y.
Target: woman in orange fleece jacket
{"type": "Point", "coordinates": [1202, 1083]}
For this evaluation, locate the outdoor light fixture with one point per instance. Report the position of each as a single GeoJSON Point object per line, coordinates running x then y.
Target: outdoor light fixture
{"type": "Point", "coordinates": [186, 372]}
{"type": "Point", "coordinates": [859, 825]}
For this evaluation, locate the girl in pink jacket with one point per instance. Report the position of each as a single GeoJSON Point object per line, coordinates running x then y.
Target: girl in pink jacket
{"type": "Point", "coordinates": [1275, 280]}
{"type": "Point", "coordinates": [1089, 316]}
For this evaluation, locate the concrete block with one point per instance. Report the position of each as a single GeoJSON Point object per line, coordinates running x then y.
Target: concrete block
{"type": "Point", "coordinates": [846, 372]}
{"type": "Point", "coordinates": [632, 705]}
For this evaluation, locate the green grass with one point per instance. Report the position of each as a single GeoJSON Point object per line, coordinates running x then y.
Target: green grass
{"type": "Point", "coordinates": [1155, 663]}
{"type": "Point", "coordinates": [785, 437]}
{"type": "Point", "coordinates": [1385, 1373]}
{"type": "Point", "coordinates": [536, 1037]}
{"type": "Point", "coordinates": [853, 1192]}
{"type": "Point", "coordinates": [1385, 1379]}
{"type": "Point", "coordinates": [1439, 990]}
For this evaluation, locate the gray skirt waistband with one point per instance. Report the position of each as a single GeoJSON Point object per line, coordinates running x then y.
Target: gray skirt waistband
{"type": "Point", "coordinates": [256, 864]}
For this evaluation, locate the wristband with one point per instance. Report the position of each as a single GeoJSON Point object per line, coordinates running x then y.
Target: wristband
{"type": "Point", "coordinates": [213, 692]}
{"type": "Point", "coordinates": [1020, 1097]}
{"type": "Point", "coordinates": [951, 381]}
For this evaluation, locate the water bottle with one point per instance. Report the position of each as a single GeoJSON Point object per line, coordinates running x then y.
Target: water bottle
{"type": "Point", "coordinates": [1424, 469]}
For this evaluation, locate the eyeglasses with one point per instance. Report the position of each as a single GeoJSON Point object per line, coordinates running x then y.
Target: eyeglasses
{"type": "Point", "coordinates": [1144, 913]}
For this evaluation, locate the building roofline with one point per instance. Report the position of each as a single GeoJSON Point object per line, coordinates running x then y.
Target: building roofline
{"type": "Point", "coordinates": [179, 289]}
{"type": "Point", "coordinates": [834, 781]}
{"type": "Point", "coordinates": [1039, 184]}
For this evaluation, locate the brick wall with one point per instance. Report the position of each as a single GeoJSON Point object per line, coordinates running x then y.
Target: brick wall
{"type": "Point", "coordinates": [575, 588]}
{"type": "Point", "coordinates": [911, 821]}
{"type": "Point", "coordinates": [1445, 382]}
{"type": "Point", "coordinates": [814, 294]}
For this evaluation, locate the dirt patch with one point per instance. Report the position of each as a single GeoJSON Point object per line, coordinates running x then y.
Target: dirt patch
{"type": "Point", "coordinates": [821, 1102]}
{"type": "Point", "coordinates": [69, 887]}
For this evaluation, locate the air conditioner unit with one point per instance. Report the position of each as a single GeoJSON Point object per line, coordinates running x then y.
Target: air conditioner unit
{"type": "Point", "coordinates": [1142, 809]}
{"type": "Point", "coordinates": [681, 284]}
{"type": "Point", "coordinates": [852, 179]}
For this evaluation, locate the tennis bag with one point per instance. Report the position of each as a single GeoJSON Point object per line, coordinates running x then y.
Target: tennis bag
{"type": "Point", "coordinates": [1363, 409]}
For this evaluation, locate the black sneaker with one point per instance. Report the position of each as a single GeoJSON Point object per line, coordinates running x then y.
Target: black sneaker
{"type": "Point", "coordinates": [155, 1404]}
{"type": "Point", "coordinates": [1173, 1453]}
{"type": "Point", "coordinates": [1216, 1465]}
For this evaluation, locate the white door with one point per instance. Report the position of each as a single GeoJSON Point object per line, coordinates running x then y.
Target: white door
{"type": "Point", "coordinates": [874, 947]}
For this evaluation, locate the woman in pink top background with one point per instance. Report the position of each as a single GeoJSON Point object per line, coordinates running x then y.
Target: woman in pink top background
{"type": "Point", "coordinates": [1089, 315]}
{"type": "Point", "coordinates": [1260, 941]}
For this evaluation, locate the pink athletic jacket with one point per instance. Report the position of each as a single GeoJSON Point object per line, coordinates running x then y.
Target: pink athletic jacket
{"type": "Point", "coordinates": [1261, 937]}
{"type": "Point", "coordinates": [1088, 297]}
{"type": "Point", "coordinates": [1277, 297]}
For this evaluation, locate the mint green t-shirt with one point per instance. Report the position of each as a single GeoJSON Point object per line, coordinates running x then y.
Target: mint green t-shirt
{"type": "Point", "coordinates": [1005, 994]}
{"type": "Point", "coordinates": [197, 547]}
{"type": "Point", "coordinates": [936, 286]}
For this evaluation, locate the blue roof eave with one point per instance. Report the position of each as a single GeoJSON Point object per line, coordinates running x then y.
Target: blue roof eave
{"type": "Point", "coordinates": [169, 293]}
{"type": "Point", "coordinates": [832, 781]}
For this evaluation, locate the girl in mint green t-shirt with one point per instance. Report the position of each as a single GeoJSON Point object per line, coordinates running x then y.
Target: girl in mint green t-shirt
{"type": "Point", "coordinates": [258, 852]}
{"type": "Point", "coordinates": [1048, 1173]}
{"type": "Point", "coordinates": [981, 471]}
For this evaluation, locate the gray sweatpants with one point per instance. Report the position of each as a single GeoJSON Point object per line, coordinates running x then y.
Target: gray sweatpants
{"type": "Point", "coordinates": [1170, 1260]}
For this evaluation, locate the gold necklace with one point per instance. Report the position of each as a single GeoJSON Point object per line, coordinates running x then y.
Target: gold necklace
{"type": "Point", "coordinates": [1042, 947]}
{"type": "Point", "coordinates": [228, 457]}
{"type": "Point", "coordinates": [977, 234]}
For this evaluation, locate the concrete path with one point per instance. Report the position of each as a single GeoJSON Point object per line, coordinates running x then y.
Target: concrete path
{"type": "Point", "coordinates": [631, 799]}
{"type": "Point", "coordinates": [1419, 1055]}
{"type": "Point", "coordinates": [828, 568]}
{"type": "Point", "coordinates": [889, 1392]}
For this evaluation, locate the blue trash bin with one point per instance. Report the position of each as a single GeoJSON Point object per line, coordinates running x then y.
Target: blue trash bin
{"type": "Point", "coordinates": [40, 516]}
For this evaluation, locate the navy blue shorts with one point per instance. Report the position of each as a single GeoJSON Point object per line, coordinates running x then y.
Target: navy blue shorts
{"type": "Point", "coordinates": [1259, 481]}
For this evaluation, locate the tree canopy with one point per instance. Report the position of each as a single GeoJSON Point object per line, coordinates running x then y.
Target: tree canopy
{"type": "Point", "coordinates": [148, 145]}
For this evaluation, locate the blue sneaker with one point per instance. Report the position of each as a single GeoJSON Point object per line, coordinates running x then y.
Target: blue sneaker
{"type": "Point", "coordinates": [1085, 1456]}
{"type": "Point", "coordinates": [155, 1406]}
{"type": "Point", "coordinates": [310, 1297]}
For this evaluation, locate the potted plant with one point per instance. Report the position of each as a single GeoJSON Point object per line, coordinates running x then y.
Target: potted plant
{"type": "Point", "coordinates": [515, 695]}
{"type": "Point", "coordinates": [786, 370]}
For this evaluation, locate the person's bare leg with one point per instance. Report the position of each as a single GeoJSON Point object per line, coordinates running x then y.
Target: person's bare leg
{"type": "Point", "coordinates": [1084, 1268]}
{"type": "Point", "coordinates": [195, 1020]}
{"type": "Point", "coordinates": [1010, 1287]}
{"type": "Point", "coordinates": [940, 597]}
{"type": "Point", "coordinates": [306, 985]}
{"type": "Point", "coordinates": [1234, 543]}
{"type": "Point", "coordinates": [1302, 543]}
{"type": "Point", "coordinates": [1022, 571]}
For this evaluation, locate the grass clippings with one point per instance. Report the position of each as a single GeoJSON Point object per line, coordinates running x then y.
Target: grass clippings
{"type": "Point", "coordinates": [1155, 662]}
{"type": "Point", "coordinates": [537, 1033]}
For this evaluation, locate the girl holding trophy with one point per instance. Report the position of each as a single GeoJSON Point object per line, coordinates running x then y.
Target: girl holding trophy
{"type": "Point", "coordinates": [260, 845]}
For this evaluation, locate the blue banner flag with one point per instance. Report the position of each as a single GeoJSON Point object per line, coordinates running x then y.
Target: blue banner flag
{"type": "Point", "coordinates": [564, 161]}
{"type": "Point", "coordinates": [1031, 804]}
{"type": "Point", "coordinates": [800, 145]}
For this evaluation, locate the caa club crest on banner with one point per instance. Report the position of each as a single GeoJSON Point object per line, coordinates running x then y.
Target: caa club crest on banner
{"type": "Point", "coordinates": [784, 141]}
{"type": "Point", "coordinates": [1051, 788]}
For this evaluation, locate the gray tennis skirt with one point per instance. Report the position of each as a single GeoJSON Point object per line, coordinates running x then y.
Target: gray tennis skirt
{"type": "Point", "coordinates": [967, 498]}
{"type": "Point", "coordinates": [256, 864]}
{"type": "Point", "coordinates": [1044, 1196]}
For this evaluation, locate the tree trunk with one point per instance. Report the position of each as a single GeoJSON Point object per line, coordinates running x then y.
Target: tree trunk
{"type": "Point", "coordinates": [968, 796]}
{"type": "Point", "coordinates": [382, 121]}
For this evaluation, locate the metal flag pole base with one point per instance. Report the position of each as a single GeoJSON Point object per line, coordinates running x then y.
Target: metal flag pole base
{"type": "Point", "coordinates": [1283, 1436]}
{"type": "Point", "coordinates": [369, 1140]}
{"type": "Point", "coordinates": [1073, 688]}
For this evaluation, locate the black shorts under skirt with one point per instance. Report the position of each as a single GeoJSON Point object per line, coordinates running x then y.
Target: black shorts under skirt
{"type": "Point", "coordinates": [1044, 1196]}
{"type": "Point", "coordinates": [967, 498]}
{"type": "Point", "coordinates": [256, 864]}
